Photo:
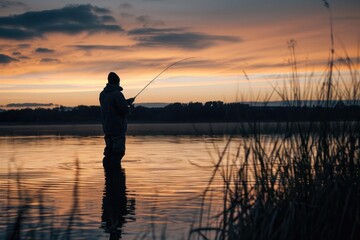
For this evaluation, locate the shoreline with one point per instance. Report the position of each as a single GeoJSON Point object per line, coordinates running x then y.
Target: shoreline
{"type": "Point", "coordinates": [159, 128]}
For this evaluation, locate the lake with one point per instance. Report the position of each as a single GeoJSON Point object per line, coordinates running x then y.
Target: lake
{"type": "Point", "coordinates": [55, 173]}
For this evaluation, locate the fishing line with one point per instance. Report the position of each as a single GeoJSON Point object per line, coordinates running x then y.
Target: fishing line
{"type": "Point", "coordinates": [165, 69]}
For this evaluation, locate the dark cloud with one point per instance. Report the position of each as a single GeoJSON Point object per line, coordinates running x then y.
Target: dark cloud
{"type": "Point", "coordinates": [5, 59]}
{"type": "Point", "coordinates": [177, 38]}
{"type": "Point", "coordinates": [72, 19]}
{"type": "Point", "coordinates": [24, 45]}
{"type": "Point", "coordinates": [44, 50]}
{"type": "Point", "coordinates": [17, 34]}
{"type": "Point", "coordinates": [23, 57]}
{"type": "Point", "coordinates": [99, 47]}
{"type": "Point", "coordinates": [50, 60]}
{"type": "Point", "coordinates": [146, 21]}
{"type": "Point", "coordinates": [126, 15]}
{"type": "Point", "coordinates": [19, 55]}
{"type": "Point", "coordinates": [126, 5]}
{"type": "Point", "coordinates": [153, 31]}
{"type": "Point", "coordinates": [30, 105]}
{"type": "Point", "coordinates": [7, 4]}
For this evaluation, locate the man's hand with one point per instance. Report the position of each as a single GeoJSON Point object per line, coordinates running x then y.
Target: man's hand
{"type": "Point", "coordinates": [130, 101]}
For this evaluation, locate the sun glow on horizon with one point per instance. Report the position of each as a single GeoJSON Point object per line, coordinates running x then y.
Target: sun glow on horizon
{"type": "Point", "coordinates": [68, 65]}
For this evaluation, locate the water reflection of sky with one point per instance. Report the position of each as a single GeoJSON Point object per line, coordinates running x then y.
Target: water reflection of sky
{"type": "Point", "coordinates": [64, 180]}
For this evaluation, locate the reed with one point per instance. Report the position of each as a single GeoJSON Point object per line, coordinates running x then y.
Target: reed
{"type": "Point", "coordinates": [304, 184]}
{"type": "Point", "coordinates": [29, 217]}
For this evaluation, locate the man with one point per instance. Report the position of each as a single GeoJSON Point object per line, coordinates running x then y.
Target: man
{"type": "Point", "coordinates": [114, 108]}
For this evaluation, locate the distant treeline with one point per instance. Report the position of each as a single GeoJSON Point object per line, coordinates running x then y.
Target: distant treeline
{"type": "Point", "coordinates": [178, 112]}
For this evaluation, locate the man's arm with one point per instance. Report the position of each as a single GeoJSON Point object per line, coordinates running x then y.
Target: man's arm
{"type": "Point", "coordinates": [130, 101]}
{"type": "Point", "coordinates": [122, 104]}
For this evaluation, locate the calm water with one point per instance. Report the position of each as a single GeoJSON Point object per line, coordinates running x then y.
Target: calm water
{"type": "Point", "coordinates": [60, 181]}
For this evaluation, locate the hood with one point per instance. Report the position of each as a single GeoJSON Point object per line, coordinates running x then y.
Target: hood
{"type": "Point", "coordinates": [112, 87]}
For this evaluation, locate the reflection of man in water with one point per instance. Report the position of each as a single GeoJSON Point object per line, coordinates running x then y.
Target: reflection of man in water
{"type": "Point", "coordinates": [114, 108]}
{"type": "Point", "coordinates": [114, 208]}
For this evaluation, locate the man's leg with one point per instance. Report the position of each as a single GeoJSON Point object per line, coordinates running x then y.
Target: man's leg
{"type": "Point", "coordinates": [107, 150]}
{"type": "Point", "coordinates": [108, 145]}
{"type": "Point", "coordinates": [118, 148]}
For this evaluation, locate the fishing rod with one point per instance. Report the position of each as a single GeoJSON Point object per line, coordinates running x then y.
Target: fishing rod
{"type": "Point", "coordinates": [165, 69]}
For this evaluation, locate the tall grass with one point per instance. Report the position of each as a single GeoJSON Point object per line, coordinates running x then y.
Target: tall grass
{"type": "Point", "coordinates": [29, 216]}
{"type": "Point", "coordinates": [304, 184]}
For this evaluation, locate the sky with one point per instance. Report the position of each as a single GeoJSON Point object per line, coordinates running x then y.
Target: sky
{"type": "Point", "coordinates": [61, 51]}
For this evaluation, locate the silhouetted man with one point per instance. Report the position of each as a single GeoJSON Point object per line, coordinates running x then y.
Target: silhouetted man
{"type": "Point", "coordinates": [114, 108]}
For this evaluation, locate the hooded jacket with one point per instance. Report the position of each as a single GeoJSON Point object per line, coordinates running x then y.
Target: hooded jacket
{"type": "Point", "coordinates": [114, 109]}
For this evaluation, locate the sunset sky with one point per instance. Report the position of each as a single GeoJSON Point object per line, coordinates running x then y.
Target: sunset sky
{"type": "Point", "coordinates": [61, 51]}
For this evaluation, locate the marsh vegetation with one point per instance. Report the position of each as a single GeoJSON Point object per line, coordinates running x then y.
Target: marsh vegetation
{"type": "Point", "coordinates": [297, 181]}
